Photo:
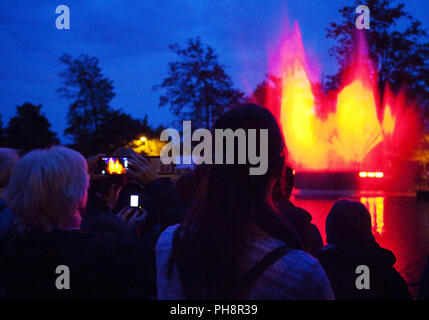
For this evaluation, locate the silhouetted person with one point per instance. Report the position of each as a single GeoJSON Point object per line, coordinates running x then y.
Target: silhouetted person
{"type": "Point", "coordinates": [234, 243]}
{"type": "Point", "coordinates": [186, 189]}
{"type": "Point", "coordinates": [351, 244]}
{"type": "Point", "coordinates": [46, 193]}
{"type": "Point", "coordinates": [156, 196]}
{"type": "Point", "coordinates": [131, 187]}
{"type": "Point", "coordinates": [8, 160]}
{"type": "Point", "coordinates": [298, 217]}
{"type": "Point", "coordinates": [102, 196]}
{"type": "Point", "coordinates": [424, 285]}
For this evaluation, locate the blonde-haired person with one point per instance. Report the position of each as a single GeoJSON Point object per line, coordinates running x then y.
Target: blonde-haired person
{"type": "Point", "coordinates": [48, 189]}
{"type": "Point", "coordinates": [8, 159]}
{"type": "Point", "coordinates": [47, 193]}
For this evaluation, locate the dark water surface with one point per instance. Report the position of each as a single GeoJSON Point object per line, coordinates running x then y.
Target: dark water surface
{"type": "Point", "coordinates": [400, 223]}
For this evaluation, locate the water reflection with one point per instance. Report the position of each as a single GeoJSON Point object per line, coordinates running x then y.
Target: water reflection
{"type": "Point", "coordinates": [375, 207]}
{"type": "Point", "coordinates": [400, 223]}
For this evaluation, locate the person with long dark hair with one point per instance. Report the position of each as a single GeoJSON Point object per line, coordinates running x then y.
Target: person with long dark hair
{"type": "Point", "coordinates": [234, 244]}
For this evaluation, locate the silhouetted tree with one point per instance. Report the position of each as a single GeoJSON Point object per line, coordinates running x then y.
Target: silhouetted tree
{"type": "Point", "coordinates": [91, 93]}
{"type": "Point", "coordinates": [118, 129]}
{"type": "Point", "coordinates": [29, 129]}
{"type": "Point", "coordinates": [197, 87]}
{"type": "Point", "coordinates": [268, 93]}
{"type": "Point", "coordinates": [400, 54]}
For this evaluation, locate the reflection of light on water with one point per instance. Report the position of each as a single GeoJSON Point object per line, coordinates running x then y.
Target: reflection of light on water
{"type": "Point", "coordinates": [375, 207]}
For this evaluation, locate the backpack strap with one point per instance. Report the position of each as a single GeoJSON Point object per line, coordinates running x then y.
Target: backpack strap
{"type": "Point", "coordinates": [258, 269]}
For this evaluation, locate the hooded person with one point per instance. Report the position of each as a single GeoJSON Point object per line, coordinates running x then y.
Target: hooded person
{"type": "Point", "coordinates": [352, 252]}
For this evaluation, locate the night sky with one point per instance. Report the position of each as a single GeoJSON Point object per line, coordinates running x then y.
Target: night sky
{"type": "Point", "coordinates": [131, 40]}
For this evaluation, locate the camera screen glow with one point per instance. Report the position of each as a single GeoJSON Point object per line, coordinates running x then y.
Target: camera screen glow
{"type": "Point", "coordinates": [134, 201]}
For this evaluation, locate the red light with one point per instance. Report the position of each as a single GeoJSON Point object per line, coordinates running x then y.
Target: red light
{"type": "Point", "coordinates": [364, 174]}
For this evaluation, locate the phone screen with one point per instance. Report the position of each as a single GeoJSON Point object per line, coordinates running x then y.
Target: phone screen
{"type": "Point", "coordinates": [110, 165]}
{"type": "Point", "coordinates": [134, 201]}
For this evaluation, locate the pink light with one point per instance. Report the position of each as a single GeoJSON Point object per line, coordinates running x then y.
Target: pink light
{"type": "Point", "coordinates": [364, 174]}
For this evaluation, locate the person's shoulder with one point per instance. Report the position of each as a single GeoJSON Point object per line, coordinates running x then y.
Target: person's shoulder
{"type": "Point", "coordinates": [299, 265]}
{"type": "Point", "coordinates": [301, 260]}
{"type": "Point", "coordinates": [166, 237]}
{"type": "Point", "coordinates": [304, 214]}
{"type": "Point", "coordinates": [305, 271]}
{"type": "Point", "coordinates": [94, 239]}
{"type": "Point", "coordinates": [295, 259]}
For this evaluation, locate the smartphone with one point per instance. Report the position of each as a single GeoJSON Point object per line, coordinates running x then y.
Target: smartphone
{"type": "Point", "coordinates": [134, 201]}
{"type": "Point", "coordinates": [111, 165]}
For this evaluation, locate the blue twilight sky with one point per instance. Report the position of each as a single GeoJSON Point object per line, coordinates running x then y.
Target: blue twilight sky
{"type": "Point", "coordinates": [131, 40]}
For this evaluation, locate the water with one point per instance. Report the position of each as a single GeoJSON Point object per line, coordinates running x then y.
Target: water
{"type": "Point", "coordinates": [400, 223]}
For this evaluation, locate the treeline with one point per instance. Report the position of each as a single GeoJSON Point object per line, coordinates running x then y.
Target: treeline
{"type": "Point", "coordinates": [28, 129]}
{"type": "Point", "coordinates": [92, 124]}
{"type": "Point", "coordinates": [198, 88]}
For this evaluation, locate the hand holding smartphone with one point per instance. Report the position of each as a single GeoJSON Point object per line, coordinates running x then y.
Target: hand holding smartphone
{"type": "Point", "coordinates": [141, 170]}
{"type": "Point", "coordinates": [134, 216]}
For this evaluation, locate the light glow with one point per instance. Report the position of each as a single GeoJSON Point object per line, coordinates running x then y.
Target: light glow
{"type": "Point", "coordinates": [364, 174]}
{"type": "Point", "coordinates": [114, 167]}
{"type": "Point", "coordinates": [344, 129]}
{"type": "Point", "coordinates": [375, 206]}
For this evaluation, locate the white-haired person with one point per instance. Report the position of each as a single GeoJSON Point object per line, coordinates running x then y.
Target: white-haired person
{"type": "Point", "coordinates": [47, 256]}
{"type": "Point", "coordinates": [8, 159]}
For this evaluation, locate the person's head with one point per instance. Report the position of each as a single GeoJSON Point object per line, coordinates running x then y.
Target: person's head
{"type": "Point", "coordinates": [283, 186]}
{"type": "Point", "coordinates": [348, 222]}
{"type": "Point", "coordinates": [231, 202]}
{"type": "Point", "coordinates": [247, 117]}
{"type": "Point", "coordinates": [8, 160]}
{"type": "Point", "coordinates": [186, 188]}
{"type": "Point", "coordinates": [47, 189]}
{"type": "Point", "coordinates": [108, 188]}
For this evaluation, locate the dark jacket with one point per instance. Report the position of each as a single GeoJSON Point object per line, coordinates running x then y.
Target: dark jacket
{"type": "Point", "coordinates": [99, 218]}
{"type": "Point", "coordinates": [102, 266]}
{"type": "Point", "coordinates": [424, 285]}
{"type": "Point", "coordinates": [158, 198]}
{"type": "Point", "coordinates": [161, 201]}
{"type": "Point", "coordinates": [165, 207]}
{"type": "Point", "coordinates": [340, 263]}
{"type": "Point", "coordinates": [6, 217]}
{"type": "Point", "coordinates": [301, 221]}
